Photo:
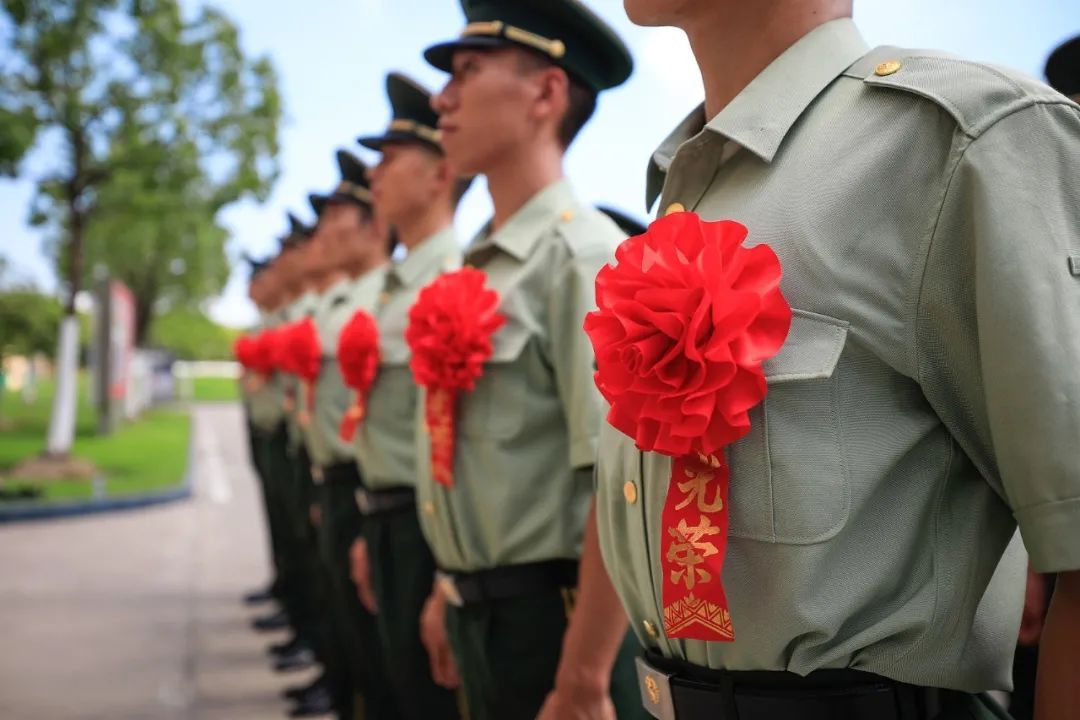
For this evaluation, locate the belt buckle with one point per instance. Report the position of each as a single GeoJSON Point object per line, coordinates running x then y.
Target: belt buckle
{"type": "Point", "coordinates": [363, 501]}
{"type": "Point", "coordinates": [655, 690]}
{"type": "Point", "coordinates": [448, 588]}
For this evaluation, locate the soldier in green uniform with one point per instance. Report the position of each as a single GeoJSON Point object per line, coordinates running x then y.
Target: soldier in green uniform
{"type": "Point", "coordinates": [925, 212]}
{"type": "Point", "coordinates": [415, 192]}
{"type": "Point", "coordinates": [264, 295]}
{"type": "Point", "coordinates": [352, 251]}
{"type": "Point", "coordinates": [507, 536]}
{"type": "Point", "coordinates": [269, 412]}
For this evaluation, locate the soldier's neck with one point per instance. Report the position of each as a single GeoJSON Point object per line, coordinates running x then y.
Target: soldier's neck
{"type": "Point", "coordinates": [331, 278]}
{"type": "Point", "coordinates": [519, 176]}
{"type": "Point", "coordinates": [734, 41]}
{"type": "Point", "coordinates": [363, 265]}
{"type": "Point", "coordinates": [418, 228]}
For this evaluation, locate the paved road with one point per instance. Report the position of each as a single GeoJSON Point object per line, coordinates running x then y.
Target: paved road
{"type": "Point", "coordinates": [136, 615]}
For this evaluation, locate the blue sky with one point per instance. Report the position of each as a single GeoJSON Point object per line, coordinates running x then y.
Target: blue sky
{"type": "Point", "coordinates": [333, 55]}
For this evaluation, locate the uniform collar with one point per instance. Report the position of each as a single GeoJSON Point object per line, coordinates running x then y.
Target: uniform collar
{"type": "Point", "coordinates": [524, 229]}
{"type": "Point", "coordinates": [434, 250]}
{"type": "Point", "coordinates": [760, 117]}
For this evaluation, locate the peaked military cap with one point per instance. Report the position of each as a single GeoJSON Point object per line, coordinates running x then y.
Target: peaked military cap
{"type": "Point", "coordinates": [1063, 68]}
{"type": "Point", "coordinates": [413, 119]}
{"type": "Point", "coordinates": [353, 187]}
{"type": "Point", "coordinates": [564, 31]}
{"type": "Point", "coordinates": [298, 233]}
{"type": "Point", "coordinates": [627, 224]}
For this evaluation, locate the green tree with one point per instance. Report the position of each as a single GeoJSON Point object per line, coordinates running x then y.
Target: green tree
{"type": "Point", "coordinates": [28, 322]}
{"type": "Point", "coordinates": [158, 121]}
{"type": "Point", "coordinates": [190, 335]}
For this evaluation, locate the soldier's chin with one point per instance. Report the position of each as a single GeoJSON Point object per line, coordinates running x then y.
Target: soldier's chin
{"type": "Point", "coordinates": [655, 13]}
{"type": "Point", "coordinates": [465, 160]}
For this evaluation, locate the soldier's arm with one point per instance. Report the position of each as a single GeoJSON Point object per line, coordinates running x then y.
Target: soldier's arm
{"type": "Point", "coordinates": [597, 628]}
{"type": "Point", "coordinates": [1057, 694]}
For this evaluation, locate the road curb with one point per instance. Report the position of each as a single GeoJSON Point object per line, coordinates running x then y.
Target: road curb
{"type": "Point", "coordinates": [50, 511]}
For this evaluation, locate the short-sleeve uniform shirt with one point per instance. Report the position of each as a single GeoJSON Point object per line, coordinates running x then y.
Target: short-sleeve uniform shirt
{"type": "Point", "coordinates": [926, 212]}
{"type": "Point", "coordinates": [332, 396]}
{"type": "Point", "coordinates": [386, 440]}
{"type": "Point", "coordinates": [530, 427]}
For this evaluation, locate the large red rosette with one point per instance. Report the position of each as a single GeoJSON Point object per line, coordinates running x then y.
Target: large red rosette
{"type": "Point", "coordinates": [299, 353]}
{"type": "Point", "coordinates": [686, 318]}
{"type": "Point", "coordinates": [449, 334]}
{"type": "Point", "coordinates": [264, 352]}
{"type": "Point", "coordinates": [358, 358]}
{"type": "Point", "coordinates": [242, 350]}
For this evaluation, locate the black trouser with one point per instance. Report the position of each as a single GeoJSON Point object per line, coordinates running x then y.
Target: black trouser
{"type": "Point", "coordinates": [402, 570]}
{"type": "Point", "coordinates": [508, 651]}
{"type": "Point", "coordinates": [355, 627]}
{"type": "Point", "coordinates": [257, 440]}
{"type": "Point", "coordinates": [696, 693]}
{"type": "Point", "coordinates": [305, 569]}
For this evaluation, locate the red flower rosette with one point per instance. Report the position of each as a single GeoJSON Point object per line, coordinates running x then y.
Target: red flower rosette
{"type": "Point", "coordinates": [300, 354]}
{"type": "Point", "coordinates": [685, 319]}
{"type": "Point", "coordinates": [449, 333]}
{"type": "Point", "coordinates": [243, 347]}
{"type": "Point", "coordinates": [264, 352]}
{"type": "Point", "coordinates": [358, 358]}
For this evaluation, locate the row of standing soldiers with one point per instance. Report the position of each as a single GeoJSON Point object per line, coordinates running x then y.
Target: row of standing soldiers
{"type": "Point", "coordinates": [448, 439]}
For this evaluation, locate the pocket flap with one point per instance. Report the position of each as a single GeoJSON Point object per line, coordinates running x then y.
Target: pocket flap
{"type": "Point", "coordinates": [811, 351]}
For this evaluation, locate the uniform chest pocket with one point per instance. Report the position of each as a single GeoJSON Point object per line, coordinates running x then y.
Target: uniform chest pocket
{"type": "Point", "coordinates": [789, 481]}
{"type": "Point", "coordinates": [495, 409]}
{"type": "Point", "coordinates": [394, 394]}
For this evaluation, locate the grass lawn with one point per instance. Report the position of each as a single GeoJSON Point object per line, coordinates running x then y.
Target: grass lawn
{"type": "Point", "coordinates": [214, 389]}
{"type": "Point", "coordinates": [148, 454]}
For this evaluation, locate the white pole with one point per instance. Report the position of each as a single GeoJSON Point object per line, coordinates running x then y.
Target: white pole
{"type": "Point", "coordinates": [62, 421]}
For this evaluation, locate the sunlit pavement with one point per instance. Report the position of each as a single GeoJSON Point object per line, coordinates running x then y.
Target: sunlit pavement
{"type": "Point", "coordinates": [137, 615]}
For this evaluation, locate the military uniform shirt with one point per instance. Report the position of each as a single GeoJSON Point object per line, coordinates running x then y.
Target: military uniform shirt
{"type": "Point", "coordinates": [535, 414]}
{"type": "Point", "coordinates": [332, 396]}
{"type": "Point", "coordinates": [386, 440]}
{"type": "Point", "coordinates": [303, 306]}
{"type": "Point", "coordinates": [265, 403]}
{"type": "Point", "coordinates": [926, 214]}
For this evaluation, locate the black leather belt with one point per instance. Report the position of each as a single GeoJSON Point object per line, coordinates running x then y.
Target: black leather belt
{"type": "Point", "coordinates": [676, 690]}
{"type": "Point", "coordinates": [509, 581]}
{"type": "Point", "coordinates": [345, 473]}
{"type": "Point", "coordinates": [376, 502]}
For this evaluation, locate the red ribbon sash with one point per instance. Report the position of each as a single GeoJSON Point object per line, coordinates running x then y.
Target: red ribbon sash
{"type": "Point", "coordinates": [695, 523]}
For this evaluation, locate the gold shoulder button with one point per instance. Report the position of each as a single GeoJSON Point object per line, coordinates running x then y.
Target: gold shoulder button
{"type": "Point", "coordinates": [675, 207]}
{"type": "Point", "coordinates": [630, 492]}
{"type": "Point", "coordinates": [567, 215]}
{"type": "Point", "coordinates": [887, 68]}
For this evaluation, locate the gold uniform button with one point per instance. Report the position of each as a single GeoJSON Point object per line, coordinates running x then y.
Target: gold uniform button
{"type": "Point", "coordinates": [675, 207]}
{"type": "Point", "coordinates": [567, 215]}
{"type": "Point", "coordinates": [429, 508]}
{"type": "Point", "coordinates": [650, 629]}
{"type": "Point", "coordinates": [629, 491]}
{"type": "Point", "coordinates": [887, 68]}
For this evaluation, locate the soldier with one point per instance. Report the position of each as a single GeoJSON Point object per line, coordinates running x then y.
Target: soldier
{"type": "Point", "coordinates": [923, 213]}
{"type": "Point", "coordinates": [264, 295]}
{"type": "Point", "coordinates": [350, 251]}
{"type": "Point", "coordinates": [269, 405]}
{"type": "Point", "coordinates": [415, 192]}
{"type": "Point", "coordinates": [508, 533]}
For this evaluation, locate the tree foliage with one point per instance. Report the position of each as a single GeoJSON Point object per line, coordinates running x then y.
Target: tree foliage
{"type": "Point", "coordinates": [190, 335]}
{"type": "Point", "coordinates": [161, 121]}
{"type": "Point", "coordinates": [29, 322]}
